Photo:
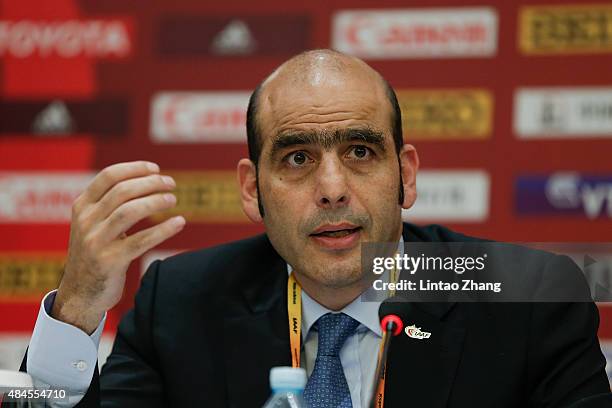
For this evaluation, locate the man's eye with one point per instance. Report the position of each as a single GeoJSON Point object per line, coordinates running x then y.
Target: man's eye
{"type": "Point", "coordinates": [359, 152]}
{"type": "Point", "coordinates": [297, 159]}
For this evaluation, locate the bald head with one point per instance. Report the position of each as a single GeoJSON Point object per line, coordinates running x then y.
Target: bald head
{"type": "Point", "coordinates": [315, 67]}
{"type": "Point", "coordinates": [310, 78]}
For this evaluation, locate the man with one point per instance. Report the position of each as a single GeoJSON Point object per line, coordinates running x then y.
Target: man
{"type": "Point", "coordinates": [328, 171]}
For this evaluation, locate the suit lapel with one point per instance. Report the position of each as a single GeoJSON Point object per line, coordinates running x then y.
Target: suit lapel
{"type": "Point", "coordinates": [256, 334]}
{"type": "Point", "coordinates": [421, 372]}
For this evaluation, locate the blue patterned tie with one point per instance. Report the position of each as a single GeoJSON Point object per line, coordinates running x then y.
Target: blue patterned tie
{"type": "Point", "coordinates": [327, 386]}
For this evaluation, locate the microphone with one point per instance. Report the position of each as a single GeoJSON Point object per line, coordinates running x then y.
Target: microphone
{"type": "Point", "coordinates": [392, 325]}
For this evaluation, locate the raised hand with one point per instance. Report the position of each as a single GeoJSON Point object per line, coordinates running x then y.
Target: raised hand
{"type": "Point", "coordinates": [99, 250]}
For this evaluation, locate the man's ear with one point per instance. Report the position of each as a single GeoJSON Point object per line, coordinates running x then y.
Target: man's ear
{"type": "Point", "coordinates": [409, 165]}
{"type": "Point", "coordinates": [247, 179]}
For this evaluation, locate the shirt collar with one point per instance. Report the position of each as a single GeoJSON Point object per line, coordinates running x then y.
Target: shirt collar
{"type": "Point", "coordinates": [365, 313]}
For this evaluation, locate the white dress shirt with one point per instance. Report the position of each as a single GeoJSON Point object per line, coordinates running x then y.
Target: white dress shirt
{"type": "Point", "coordinates": [63, 356]}
{"type": "Point", "coordinates": [359, 353]}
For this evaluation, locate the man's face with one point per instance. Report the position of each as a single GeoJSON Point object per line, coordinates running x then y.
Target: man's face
{"type": "Point", "coordinates": [328, 172]}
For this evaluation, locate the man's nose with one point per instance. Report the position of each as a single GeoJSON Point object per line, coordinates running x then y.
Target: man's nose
{"type": "Point", "coordinates": [332, 187]}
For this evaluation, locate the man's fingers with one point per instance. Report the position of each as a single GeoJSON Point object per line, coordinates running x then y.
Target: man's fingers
{"type": "Point", "coordinates": [127, 190]}
{"type": "Point", "coordinates": [144, 240]}
{"type": "Point", "coordinates": [112, 175]}
{"type": "Point", "coordinates": [128, 214]}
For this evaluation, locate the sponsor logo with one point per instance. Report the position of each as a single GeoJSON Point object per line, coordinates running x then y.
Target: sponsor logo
{"type": "Point", "coordinates": [461, 195]}
{"type": "Point", "coordinates": [565, 29]}
{"type": "Point", "coordinates": [31, 197]}
{"type": "Point", "coordinates": [54, 119]}
{"type": "Point", "coordinates": [416, 333]}
{"type": "Point", "coordinates": [208, 196]}
{"type": "Point", "coordinates": [606, 348]}
{"type": "Point", "coordinates": [68, 43]}
{"type": "Point", "coordinates": [26, 277]}
{"type": "Point", "coordinates": [563, 112]}
{"type": "Point", "coordinates": [234, 39]}
{"type": "Point", "coordinates": [597, 268]}
{"type": "Point", "coordinates": [233, 36]}
{"type": "Point", "coordinates": [595, 260]}
{"type": "Point", "coordinates": [12, 349]}
{"type": "Point", "coordinates": [446, 113]}
{"type": "Point", "coordinates": [565, 194]}
{"type": "Point", "coordinates": [105, 348]}
{"type": "Point", "coordinates": [102, 38]}
{"type": "Point", "coordinates": [147, 259]}
{"type": "Point", "coordinates": [61, 117]}
{"type": "Point", "coordinates": [416, 33]}
{"type": "Point", "coordinates": [199, 117]}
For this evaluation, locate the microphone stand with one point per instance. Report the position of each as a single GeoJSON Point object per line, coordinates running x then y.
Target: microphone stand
{"type": "Point", "coordinates": [382, 361]}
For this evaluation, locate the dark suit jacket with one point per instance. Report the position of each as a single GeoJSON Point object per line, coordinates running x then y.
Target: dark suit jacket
{"type": "Point", "coordinates": [207, 326]}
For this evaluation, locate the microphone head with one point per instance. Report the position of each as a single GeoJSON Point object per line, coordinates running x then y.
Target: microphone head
{"type": "Point", "coordinates": [392, 322]}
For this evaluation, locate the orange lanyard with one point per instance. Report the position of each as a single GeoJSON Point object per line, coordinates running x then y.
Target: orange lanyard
{"type": "Point", "coordinates": [380, 392]}
{"type": "Point", "coordinates": [294, 308]}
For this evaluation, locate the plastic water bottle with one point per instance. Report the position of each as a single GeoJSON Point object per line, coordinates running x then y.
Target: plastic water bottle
{"type": "Point", "coordinates": [287, 385]}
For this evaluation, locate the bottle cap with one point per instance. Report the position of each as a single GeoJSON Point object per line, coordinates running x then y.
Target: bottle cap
{"type": "Point", "coordinates": [287, 378]}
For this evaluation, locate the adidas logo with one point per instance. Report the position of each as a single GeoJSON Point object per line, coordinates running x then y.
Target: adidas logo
{"type": "Point", "coordinates": [234, 39]}
{"type": "Point", "coordinates": [54, 119]}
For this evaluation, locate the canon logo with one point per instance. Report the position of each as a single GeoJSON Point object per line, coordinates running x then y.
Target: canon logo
{"type": "Point", "coordinates": [65, 39]}
{"type": "Point", "coordinates": [39, 197]}
{"type": "Point", "coordinates": [199, 117]}
{"type": "Point", "coordinates": [416, 33]}
{"type": "Point", "coordinates": [362, 32]}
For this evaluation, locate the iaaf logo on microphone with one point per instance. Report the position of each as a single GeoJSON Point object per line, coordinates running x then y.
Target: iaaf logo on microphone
{"type": "Point", "coordinates": [416, 333]}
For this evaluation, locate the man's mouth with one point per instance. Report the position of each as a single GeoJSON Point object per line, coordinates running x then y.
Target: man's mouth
{"type": "Point", "coordinates": [337, 233]}
{"type": "Point", "coordinates": [337, 237]}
